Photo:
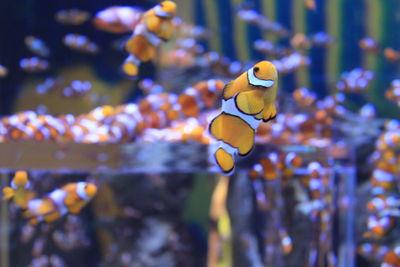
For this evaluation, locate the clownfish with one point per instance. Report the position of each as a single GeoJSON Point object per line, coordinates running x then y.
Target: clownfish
{"type": "Point", "coordinates": [19, 190]}
{"type": "Point", "coordinates": [247, 101]}
{"type": "Point", "coordinates": [202, 95]}
{"type": "Point", "coordinates": [70, 198]}
{"type": "Point", "coordinates": [72, 16]}
{"type": "Point", "coordinates": [378, 227]}
{"type": "Point", "coordinates": [392, 258]}
{"type": "Point", "coordinates": [155, 26]}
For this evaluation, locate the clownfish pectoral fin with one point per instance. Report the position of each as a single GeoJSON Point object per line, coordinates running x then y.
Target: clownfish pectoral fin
{"type": "Point", "coordinates": [8, 193]}
{"type": "Point", "coordinates": [250, 102]}
{"type": "Point", "coordinates": [224, 160]}
{"type": "Point", "coordinates": [269, 113]}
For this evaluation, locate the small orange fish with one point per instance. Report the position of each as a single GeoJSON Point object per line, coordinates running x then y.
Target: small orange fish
{"type": "Point", "coordinates": [391, 55]}
{"type": "Point", "coordinates": [202, 95]}
{"type": "Point", "coordinates": [37, 46]}
{"type": "Point", "coordinates": [155, 26]}
{"type": "Point", "coordinates": [310, 4]}
{"type": "Point", "coordinates": [369, 44]}
{"type": "Point", "coordinates": [117, 19]}
{"type": "Point", "coordinates": [80, 43]}
{"type": "Point", "coordinates": [34, 64]}
{"type": "Point", "coordinates": [247, 101]}
{"type": "Point", "coordinates": [72, 16]}
{"type": "Point", "coordinates": [300, 41]}
{"type": "Point", "coordinates": [392, 258]}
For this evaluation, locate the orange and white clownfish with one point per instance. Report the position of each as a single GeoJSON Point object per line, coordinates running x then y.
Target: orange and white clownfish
{"type": "Point", "coordinates": [70, 198]}
{"type": "Point", "coordinates": [392, 258]}
{"type": "Point", "coordinates": [247, 101]}
{"type": "Point", "coordinates": [202, 95]}
{"type": "Point", "coordinates": [19, 190]}
{"type": "Point", "coordinates": [155, 26]}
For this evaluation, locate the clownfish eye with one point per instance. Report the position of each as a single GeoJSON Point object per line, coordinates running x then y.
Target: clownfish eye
{"type": "Point", "coordinates": [161, 4]}
{"type": "Point", "coordinates": [256, 69]}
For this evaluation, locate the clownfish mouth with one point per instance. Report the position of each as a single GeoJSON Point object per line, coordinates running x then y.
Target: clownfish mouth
{"type": "Point", "coordinates": [161, 13]}
{"type": "Point", "coordinates": [253, 80]}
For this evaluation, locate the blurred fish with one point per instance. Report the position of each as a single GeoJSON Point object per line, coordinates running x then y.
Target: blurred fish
{"type": "Point", "coordinates": [37, 46]}
{"type": "Point", "coordinates": [291, 63]}
{"type": "Point", "coordinates": [369, 44]}
{"type": "Point", "coordinates": [77, 89]}
{"type": "Point", "coordinates": [391, 55]}
{"type": "Point", "coordinates": [253, 17]}
{"type": "Point", "coordinates": [381, 202]}
{"type": "Point", "coordinates": [80, 43]}
{"type": "Point", "coordinates": [34, 64]}
{"type": "Point", "coordinates": [3, 71]}
{"type": "Point", "coordinates": [355, 81]}
{"type": "Point", "coordinates": [49, 85]}
{"type": "Point", "coordinates": [378, 227]}
{"type": "Point", "coordinates": [19, 190]}
{"type": "Point", "coordinates": [117, 19]}
{"type": "Point", "coordinates": [392, 258]}
{"type": "Point", "coordinates": [304, 97]}
{"type": "Point", "coordinates": [393, 93]}
{"type": "Point", "coordinates": [70, 198]}
{"type": "Point", "coordinates": [321, 39]}
{"type": "Point", "coordinates": [202, 95]}
{"type": "Point", "coordinates": [154, 27]}
{"type": "Point", "coordinates": [310, 4]}
{"type": "Point", "coordinates": [72, 16]}
{"type": "Point", "coordinates": [149, 86]}
{"type": "Point", "coordinates": [286, 241]}
{"type": "Point", "coordinates": [186, 30]}
{"type": "Point", "coordinates": [266, 168]}
{"type": "Point", "coordinates": [373, 252]}
{"type": "Point", "coordinates": [246, 101]}
{"type": "Point", "coordinates": [300, 41]}
{"type": "Point", "coordinates": [367, 111]}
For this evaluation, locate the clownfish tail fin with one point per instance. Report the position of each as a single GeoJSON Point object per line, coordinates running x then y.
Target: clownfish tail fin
{"type": "Point", "coordinates": [8, 193]}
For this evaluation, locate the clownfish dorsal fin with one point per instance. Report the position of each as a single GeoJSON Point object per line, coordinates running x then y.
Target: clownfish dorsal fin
{"type": "Point", "coordinates": [226, 91]}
